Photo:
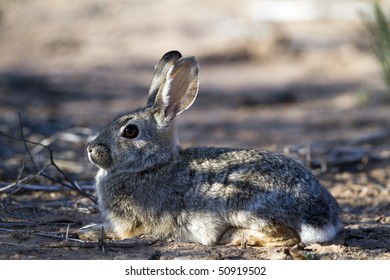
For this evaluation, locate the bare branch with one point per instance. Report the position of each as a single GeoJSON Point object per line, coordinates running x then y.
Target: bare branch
{"type": "Point", "coordinates": [75, 242]}
{"type": "Point", "coordinates": [24, 180]}
{"type": "Point", "coordinates": [18, 179]}
{"type": "Point", "coordinates": [71, 184]}
{"type": "Point", "coordinates": [49, 188]}
{"type": "Point", "coordinates": [24, 142]}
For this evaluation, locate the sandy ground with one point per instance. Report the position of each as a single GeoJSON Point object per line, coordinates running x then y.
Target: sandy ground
{"type": "Point", "coordinates": [309, 89]}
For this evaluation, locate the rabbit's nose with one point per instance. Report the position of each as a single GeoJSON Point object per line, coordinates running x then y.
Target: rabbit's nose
{"type": "Point", "coordinates": [99, 155]}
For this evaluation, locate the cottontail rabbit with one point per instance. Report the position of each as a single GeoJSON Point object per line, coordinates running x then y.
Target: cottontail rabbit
{"type": "Point", "coordinates": [148, 185]}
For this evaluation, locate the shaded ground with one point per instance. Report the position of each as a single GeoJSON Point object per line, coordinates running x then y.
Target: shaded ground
{"type": "Point", "coordinates": [310, 90]}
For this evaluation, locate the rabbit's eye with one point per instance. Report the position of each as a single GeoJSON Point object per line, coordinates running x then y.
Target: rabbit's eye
{"type": "Point", "coordinates": [131, 131]}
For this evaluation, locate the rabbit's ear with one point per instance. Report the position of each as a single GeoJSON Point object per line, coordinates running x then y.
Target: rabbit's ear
{"type": "Point", "coordinates": [179, 89]}
{"type": "Point", "coordinates": [160, 73]}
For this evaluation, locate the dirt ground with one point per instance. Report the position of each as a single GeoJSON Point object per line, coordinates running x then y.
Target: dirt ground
{"type": "Point", "coordinates": [310, 89]}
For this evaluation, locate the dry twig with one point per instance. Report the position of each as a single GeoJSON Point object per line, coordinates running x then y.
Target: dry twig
{"type": "Point", "coordinates": [74, 242]}
{"type": "Point", "coordinates": [70, 183]}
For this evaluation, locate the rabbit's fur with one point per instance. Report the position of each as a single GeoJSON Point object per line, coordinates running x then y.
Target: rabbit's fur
{"type": "Point", "coordinates": [148, 185]}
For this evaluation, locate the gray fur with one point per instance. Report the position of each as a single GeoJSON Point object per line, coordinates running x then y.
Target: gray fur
{"type": "Point", "coordinates": [207, 195]}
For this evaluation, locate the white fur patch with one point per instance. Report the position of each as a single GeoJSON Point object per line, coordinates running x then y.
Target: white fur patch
{"type": "Point", "coordinates": [311, 234]}
{"type": "Point", "coordinates": [166, 91]}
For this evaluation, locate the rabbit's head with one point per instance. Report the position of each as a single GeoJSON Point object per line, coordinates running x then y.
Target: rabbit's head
{"type": "Point", "coordinates": [144, 138]}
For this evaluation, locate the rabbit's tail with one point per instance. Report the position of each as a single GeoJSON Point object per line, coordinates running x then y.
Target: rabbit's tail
{"type": "Point", "coordinates": [313, 234]}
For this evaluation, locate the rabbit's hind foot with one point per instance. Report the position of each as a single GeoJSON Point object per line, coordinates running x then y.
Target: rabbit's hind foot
{"type": "Point", "coordinates": [283, 237]}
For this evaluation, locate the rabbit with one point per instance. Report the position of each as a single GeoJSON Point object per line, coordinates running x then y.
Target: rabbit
{"type": "Point", "coordinates": [148, 185]}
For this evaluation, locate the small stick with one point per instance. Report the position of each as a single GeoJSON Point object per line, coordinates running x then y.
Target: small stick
{"type": "Point", "coordinates": [67, 233]}
{"type": "Point", "coordinates": [44, 234]}
{"type": "Point", "coordinates": [31, 224]}
{"type": "Point", "coordinates": [49, 188]}
{"type": "Point", "coordinates": [93, 245]}
{"type": "Point", "coordinates": [101, 239]}
{"type": "Point", "coordinates": [25, 179]}
{"type": "Point", "coordinates": [72, 184]}
{"type": "Point", "coordinates": [17, 179]}
{"type": "Point", "coordinates": [25, 143]}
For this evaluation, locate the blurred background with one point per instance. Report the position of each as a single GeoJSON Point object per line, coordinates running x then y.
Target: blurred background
{"type": "Point", "coordinates": [273, 73]}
